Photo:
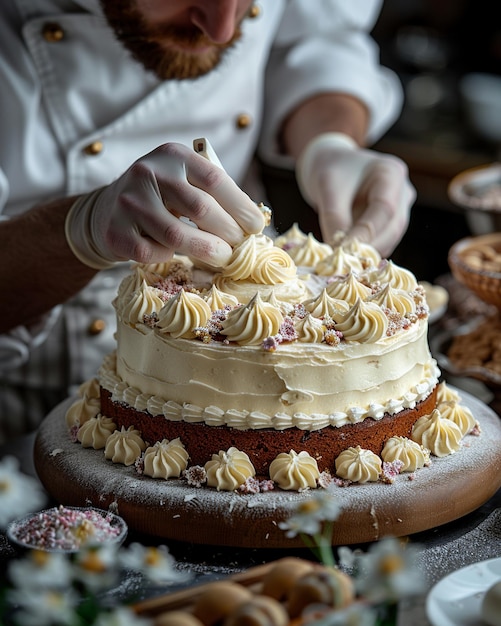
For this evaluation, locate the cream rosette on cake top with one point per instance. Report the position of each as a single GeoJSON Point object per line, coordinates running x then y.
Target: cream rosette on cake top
{"type": "Point", "coordinates": [326, 306]}
{"type": "Point", "coordinates": [368, 255]}
{"type": "Point", "coordinates": [252, 323]}
{"type": "Point", "coordinates": [143, 302]}
{"type": "Point", "coordinates": [292, 238]}
{"type": "Point", "coordinates": [182, 314]}
{"type": "Point", "coordinates": [339, 263]}
{"type": "Point", "coordinates": [257, 265]}
{"type": "Point", "coordinates": [217, 299]}
{"type": "Point", "coordinates": [364, 322]}
{"type": "Point", "coordinates": [141, 275]}
{"type": "Point", "coordinates": [348, 289]}
{"type": "Point", "coordinates": [309, 252]}
{"type": "Point", "coordinates": [394, 299]}
{"type": "Point", "coordinates": [310, 329]}
{"type": "Point", "coordinates": [398, 277]}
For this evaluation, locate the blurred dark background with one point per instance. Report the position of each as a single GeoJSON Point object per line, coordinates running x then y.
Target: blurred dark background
{"type": "Point", "coordinates": [432, 45]}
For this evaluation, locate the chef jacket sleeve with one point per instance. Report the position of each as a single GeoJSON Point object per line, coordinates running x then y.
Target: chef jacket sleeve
{"type": "Point", "coordinates": [321, 47]}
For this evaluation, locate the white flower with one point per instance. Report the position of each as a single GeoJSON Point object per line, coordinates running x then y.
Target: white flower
{"type": "Point", "coordinates": [310, 514]}
{"type": "Point", "coordinates": [121, 617]}
{"type": "Point", "coordinates": [39, 570]}
{"type": "Point", "coordinates": [44, 607]}
{"type": "Point", "coordinates": [300, 525]}
{"type": "Point", "coordinates": [347, 558]}
{"type": "Point", "coordinates": [388, 571]}
{"type": "Point", "coordinates": [19, 494]}
{"type": "Point", "coordinates": [97, 567]}
{"type": "Point", "coordinates": [156, 564]}
{"type": "Point", "coordinates": [354, 615]}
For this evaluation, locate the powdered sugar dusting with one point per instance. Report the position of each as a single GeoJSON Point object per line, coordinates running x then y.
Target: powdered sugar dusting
{"type": "Point", "coordinates": [171, 508]}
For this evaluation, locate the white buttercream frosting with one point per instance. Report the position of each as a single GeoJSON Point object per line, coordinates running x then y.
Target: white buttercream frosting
{"type": "Point", "coordinates": [295, 471]}
{"type": "Point", "coordinates": [411, 454]}
{"type": "Point", "coordinates": [358, 465]}
{"type": "Point", "coordinates": [348, 288]}
{"type": "Point", "coordinates": [364, 322]}
{"type": "Point", "coordinates": [310, 329]}
{"type": "Point", "coordinates": [253, 323]}
{"type": "Point", "coordinates": [218, 299]}
{"type": "Point", "coordinates": [446, 394]}
{"type": "Point", "coordinates": [440, 435]}
{"type": "Point", "coordinates": [165, 459]}
{"type": "Point", "coordinates": [338, 263]}
{"type": "Point", "coordinates": [214, 415]}
{"type": "Point", "coordinates": [95, 432]}
{"type": "Point", "coordinates": [90, 389]}
{"type": "Point", "coordinates": [294, 236]}
{"type": "Point", "coordinates": [398, 277]}
{"type": "Point", "coordinates": [459, 414]}
{"type": "Point", "coordinates": [124, 446]}
{"type": "Point", "coordinates": [308, 252]}
{"type": "Point", "coordinates": [182, 314]}
{"type": "Point", "coordinates": [395, 299]}
{"type": "Point", "coordinates": [145, 301]}
{"type": "Point", "coordinates": [81, 410]}
{"type": "Point", "coordinates": [228, 470]}
{"type": "Point", "coordinates": [324, 305]}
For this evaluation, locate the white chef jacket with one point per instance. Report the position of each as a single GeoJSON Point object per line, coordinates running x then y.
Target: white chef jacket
{"type": "Point", "coordinates": [77, 110]}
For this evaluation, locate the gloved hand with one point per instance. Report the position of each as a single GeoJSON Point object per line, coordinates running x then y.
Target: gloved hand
{"type": "Point", "coordinates": [364, 193]}
{"type": "Point", "coordinates": [142, 216]}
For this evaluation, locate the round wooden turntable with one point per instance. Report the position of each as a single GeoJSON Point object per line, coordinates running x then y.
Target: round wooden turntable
{"type": "Point", "coordinates": [450, 488]}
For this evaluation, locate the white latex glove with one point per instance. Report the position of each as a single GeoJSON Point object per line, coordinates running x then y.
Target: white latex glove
{"type": "Point", "coordinates": [364, 193]}
{"type": "Point", "coordinates": [137, 217]}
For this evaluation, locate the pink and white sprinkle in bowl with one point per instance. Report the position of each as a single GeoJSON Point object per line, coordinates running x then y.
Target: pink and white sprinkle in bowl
{"type": "Point", "coordinates": [67, 529]}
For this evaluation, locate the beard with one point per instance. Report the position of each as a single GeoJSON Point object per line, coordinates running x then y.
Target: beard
{"type": "Point", "coordinates": [177, 58]}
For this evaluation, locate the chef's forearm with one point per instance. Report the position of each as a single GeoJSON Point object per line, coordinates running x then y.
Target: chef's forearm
{"type": "Point", "coordinates": [324, 113]}
{"type": "Point", "coordinates": [37, 268]}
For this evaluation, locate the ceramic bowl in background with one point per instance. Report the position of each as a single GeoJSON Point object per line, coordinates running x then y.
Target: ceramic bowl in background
{"type": "Point", "coordinates": [478, 188]}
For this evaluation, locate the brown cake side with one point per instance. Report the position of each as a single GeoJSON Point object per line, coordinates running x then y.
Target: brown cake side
{"type": "Point", "coordinates": [263, 445]}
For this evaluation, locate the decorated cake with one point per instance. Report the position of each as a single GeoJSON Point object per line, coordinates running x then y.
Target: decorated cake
{"type": "Point", "coordinates": [297, 361]}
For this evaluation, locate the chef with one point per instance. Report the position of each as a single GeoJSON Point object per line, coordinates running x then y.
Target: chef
{"type": "Point", "coordinates": [100, 104]}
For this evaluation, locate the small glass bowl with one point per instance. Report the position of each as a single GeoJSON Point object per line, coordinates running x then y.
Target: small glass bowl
{"type": "Point", "coordinates": [465, 261]}
{"type": "Point", "coordinates": [67, 529]}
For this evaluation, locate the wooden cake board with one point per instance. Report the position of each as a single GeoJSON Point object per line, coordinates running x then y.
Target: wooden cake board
{"type": "Point", "coordinates": [450, 488]}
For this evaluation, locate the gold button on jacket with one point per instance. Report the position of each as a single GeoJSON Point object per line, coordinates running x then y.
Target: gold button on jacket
{"type": "Point", "coordinates": [96, 147]}
{"type": "Point", "coordinates": [96, 326]}
{"type": "Point", "coordinates": [52, 32]}
{"type": "Point", "coordinates": [244, 120]}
